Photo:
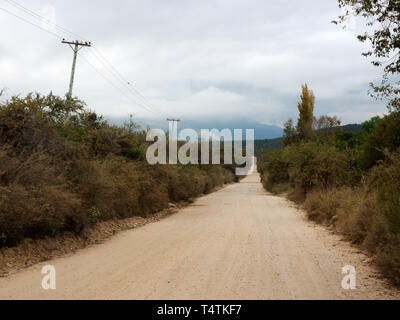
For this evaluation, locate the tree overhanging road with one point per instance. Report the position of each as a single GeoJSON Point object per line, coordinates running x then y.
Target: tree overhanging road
{"type": "Point", "coordinates": [237, 243]}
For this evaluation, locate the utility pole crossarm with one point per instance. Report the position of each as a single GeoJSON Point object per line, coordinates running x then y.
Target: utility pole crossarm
{"type": "Point", "coordinates": [79, 43]}
{"type": "Point", "coordinates": [75, 46]}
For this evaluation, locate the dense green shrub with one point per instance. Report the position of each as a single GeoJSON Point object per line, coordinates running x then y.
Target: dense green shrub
{"type": "Point", "coordinates": [317, 165]}
{"type": "Point", "coordinates": [274, 170]}
{"type": "Point", "coordinates": [383, 136]}
{"type": "Point", "coordinates": [385, 237]}
{"type": "Point", "coordinates": [307, 166]}
{"type": "Point", "coordinates": [385, 179]}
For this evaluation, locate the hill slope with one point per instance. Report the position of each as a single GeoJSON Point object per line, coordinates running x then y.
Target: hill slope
{"type": "Point", "coordinates": [276, 144]}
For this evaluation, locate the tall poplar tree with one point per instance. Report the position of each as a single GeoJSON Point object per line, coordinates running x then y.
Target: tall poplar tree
{"type": "Point", "coordinates": [306, 111]}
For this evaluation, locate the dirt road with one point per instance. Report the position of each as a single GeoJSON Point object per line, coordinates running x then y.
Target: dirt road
{"type": "Point", "coordinates": [237, 243]}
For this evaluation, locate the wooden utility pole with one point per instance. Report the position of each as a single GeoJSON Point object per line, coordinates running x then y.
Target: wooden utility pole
{"type": "Point", "coordinates": [75, 46]}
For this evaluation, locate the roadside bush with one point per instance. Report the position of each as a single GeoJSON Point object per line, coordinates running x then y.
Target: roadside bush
{"type": "Point", "coordinates": [36, 213]}
{"type": "Point", "coordinates": [384, 137]}
{"type": "Point", "coordinates": [316, 165]}
{"type": "Point", "coordinates": [306, 167]}
{"type": "Point", "coordinates": [274, 170]}
{"type": "Point", "coordinates": [349, 210]}
{"type": "Point", "coordinates": [385, 178]}
{"type": "Point", "coordinates": [368, 215]}
{"type": "Point", "coordinates": [63, 169]}
{"type": "Point", "coordinates": [322, 207]}
{"type": "Point", "coordinates": [385, 236]}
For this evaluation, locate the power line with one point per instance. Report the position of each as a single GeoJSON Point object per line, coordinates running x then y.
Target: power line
{"type": "Point", "coordinates": [109, 81]}
{"type": "Point", "coordinates": [31, 23]}
{"type": "Point", "coordinates": [96, 53]}
{"type": "Point", "coordinates": [121, 77]}
{"type": "Point", "coordinates": [41, 18]}
{"type": "Point", "coordinates": [113, 73]}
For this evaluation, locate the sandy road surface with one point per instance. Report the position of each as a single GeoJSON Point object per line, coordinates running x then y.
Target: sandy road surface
{"type": "Point", "coordinates": [238, 243]}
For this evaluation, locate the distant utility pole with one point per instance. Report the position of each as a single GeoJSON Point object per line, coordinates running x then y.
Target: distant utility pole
{"type": "Point", "coordinates": [75, 46]}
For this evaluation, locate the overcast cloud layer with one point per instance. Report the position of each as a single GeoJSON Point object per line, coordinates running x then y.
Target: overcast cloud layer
{"type": "Point", "coordinates": [209, 59]}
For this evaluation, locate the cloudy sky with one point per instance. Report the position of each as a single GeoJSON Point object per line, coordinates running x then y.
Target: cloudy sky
{"type": "Point", "coordinates": [202, 60]}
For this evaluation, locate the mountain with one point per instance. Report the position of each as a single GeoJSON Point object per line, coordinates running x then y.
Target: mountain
{"type": "Point", "coordinates": [262, 131]}
{"type": "Point", "coordinates": [267, 144]}
{"type": "Point", "coordinates": [356, 128]}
